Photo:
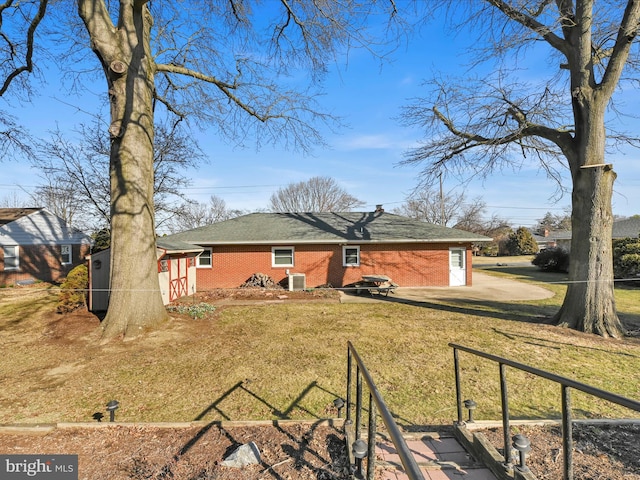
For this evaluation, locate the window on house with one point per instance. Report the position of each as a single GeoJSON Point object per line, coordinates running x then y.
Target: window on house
{"type": "Point", "coordinates": [11, 257]}
{"type": "Point", "coordinates": [65, 254]}
{"type": "Point", "coordinates": [204, 259]}
{"type": "Point", "coordinates": [282, 256]}
{"type": "Point", "coordinates": [351, 256]}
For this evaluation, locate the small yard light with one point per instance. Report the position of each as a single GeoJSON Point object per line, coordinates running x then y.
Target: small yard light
{"type": "Point", "coordinates": [359, 451]}
{"type": "Point", "coordinates": [470, 405]}
{"type": "Point", "coordinates": [522, 445]}
{"type": "Point", "coordinates": [339, 404]}
{"type": "Point", "coordinates": [112, 406]}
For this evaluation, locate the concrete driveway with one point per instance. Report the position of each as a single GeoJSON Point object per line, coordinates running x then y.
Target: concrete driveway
{"type": "Point", "coordinates": [485, 287]}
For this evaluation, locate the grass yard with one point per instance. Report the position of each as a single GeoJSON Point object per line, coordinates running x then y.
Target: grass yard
{"type": "Point", "coordinates": [288, 360]}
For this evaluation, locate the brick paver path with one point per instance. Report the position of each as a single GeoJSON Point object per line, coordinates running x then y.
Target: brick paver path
{"type": "Point", "coordinates": [439, 458]}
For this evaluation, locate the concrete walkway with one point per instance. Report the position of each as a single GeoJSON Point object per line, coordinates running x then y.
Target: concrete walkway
{"type": "Point", "coordinates": [484, 288]}
{"type": "Point", "coordinates": [439, 458]}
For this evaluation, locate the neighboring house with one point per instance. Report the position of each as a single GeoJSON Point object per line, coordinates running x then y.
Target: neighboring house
{"type": "Point", "coordinates": [331, 248]}
{"type": "Point", "coordinates": [35, 245]}
{"type": "Point", "coordinates": [176, 273]}
{"type": "Point", "coordinates": [626, 228]}
{"type": "Point", "coordinates": [545, 239]}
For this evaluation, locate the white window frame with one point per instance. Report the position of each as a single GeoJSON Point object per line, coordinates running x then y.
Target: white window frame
{"type": "Point", "coordinates": [210, 257]}
{"type": "Point", "coordinates": [344, 255]}
{"type": "Point", "coordinates": [15, 254]}
{"type": "Point", "coordinates": [66, 258]}
{"type": "Point", "coordinates": [283, 265]}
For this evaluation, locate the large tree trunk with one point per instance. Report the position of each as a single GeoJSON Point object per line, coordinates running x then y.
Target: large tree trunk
{"type": "Point", "coordinates": [135, 302]}
{"type": "Point", "coordinates": [589, 304]}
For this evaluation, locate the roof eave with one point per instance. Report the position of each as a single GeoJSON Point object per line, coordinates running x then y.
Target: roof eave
{"type": "Point", "coordinates": [338, 242]}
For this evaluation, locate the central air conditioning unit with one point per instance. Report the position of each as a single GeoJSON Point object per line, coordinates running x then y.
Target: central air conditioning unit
{"type": "Point", "coordinates": [297, 281]}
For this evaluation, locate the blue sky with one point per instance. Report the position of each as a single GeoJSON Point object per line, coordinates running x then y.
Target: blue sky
{"type": "Point", "coordinates": [363, 158]}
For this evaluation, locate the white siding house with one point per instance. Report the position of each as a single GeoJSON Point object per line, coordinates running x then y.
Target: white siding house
{"type": "Point", "coordinates": [35, 245]}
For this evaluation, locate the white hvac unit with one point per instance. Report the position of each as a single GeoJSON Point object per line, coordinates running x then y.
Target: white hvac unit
{"type": "Point", "coordinates": [297, 281]}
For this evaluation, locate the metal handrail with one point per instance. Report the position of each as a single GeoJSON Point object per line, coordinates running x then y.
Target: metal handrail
{"type": "Point", "coordinates": [410, 465]}
{"type": "Point", "coordinates": [565, 383]}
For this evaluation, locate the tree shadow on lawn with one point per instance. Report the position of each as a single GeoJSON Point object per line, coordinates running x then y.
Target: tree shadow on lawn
{"type": "Point", "coordinates": [557, 345]}
{"type": "Point", "coordinates": [517, 312]}
{"type": "Point", "coordinates": [299, 442]}
{"type": "Point", "coordinates": [482, 308]}
{"type": "Point", "coordinates": [242, 388]}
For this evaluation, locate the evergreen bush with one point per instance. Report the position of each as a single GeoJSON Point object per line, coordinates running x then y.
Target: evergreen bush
{"type": "Point", "coordinates": [73, 290]}
{"type": "Point", "coordinates": [626, 258]}
{"type": "Point", "coordinates": [521, 242]}
{"type": "Point", "coordinates": [554, 259]}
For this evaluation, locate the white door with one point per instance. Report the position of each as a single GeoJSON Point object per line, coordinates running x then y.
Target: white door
{"type": "Point", "coordinates": [457, 267]}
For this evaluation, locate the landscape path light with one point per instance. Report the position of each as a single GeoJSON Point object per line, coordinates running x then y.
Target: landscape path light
{"type": "Point", "coordinates": [470, 405]}
{"type": "Point", "coordinates": [112, 406]}
{"type": "Point", "coordinates": [360, 449]}
{"type": "Point", "coordinates": [339, 404]}
{"type": "Point", "coordinates": [522, 445]}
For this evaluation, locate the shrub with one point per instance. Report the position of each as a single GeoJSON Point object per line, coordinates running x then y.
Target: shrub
{"type": "Point", "coordinates": [73, 290]}
{"type": "Point", "coordinates": [554, 259]}
{"type": "Point", "coordinates": [626, 258]}
{"type": "Point", "coordinates": [521, 242]}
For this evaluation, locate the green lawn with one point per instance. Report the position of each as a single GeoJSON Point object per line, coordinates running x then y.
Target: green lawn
{"type": "Point", "coordinates": [289, 360]}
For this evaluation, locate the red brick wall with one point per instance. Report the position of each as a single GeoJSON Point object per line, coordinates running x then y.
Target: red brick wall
{"type": "Point", "coordinates": [41, 262]}
{"type": "Point", "coordinates": [408, 265]}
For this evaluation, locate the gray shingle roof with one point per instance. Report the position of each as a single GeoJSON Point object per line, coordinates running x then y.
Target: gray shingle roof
{"type": "Point", "coordinates": [296, 228]}
{"type": "Point", "coordinates": [8, 215]}
{"type": "Point", "coordinates": [176, 246]}
{"type": "Point", "coordinates": [629, 227]}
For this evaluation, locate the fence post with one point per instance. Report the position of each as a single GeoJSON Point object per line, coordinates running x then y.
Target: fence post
{"type": "Point", "coordinates": [506, 429]}
{"type": "Point", "coordinates": [371, 458]}
{"type": "Point", "coordinates": [358, 402]}
{"type": "Point", "coordinates": [456, 366]}
{"type": "Point", "coordinates": [348, 417]}
{"type": "Point", "coordinates": [567, 433]}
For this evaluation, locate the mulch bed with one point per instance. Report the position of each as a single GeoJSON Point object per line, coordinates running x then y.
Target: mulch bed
{"type": "Point", "coordinates": [124, 452]}
{"type": "Point", "coordinates": [600, 451]}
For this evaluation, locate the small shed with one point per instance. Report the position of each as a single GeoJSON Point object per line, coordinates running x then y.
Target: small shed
{"type": "Point", "coordinates": [176, 273]}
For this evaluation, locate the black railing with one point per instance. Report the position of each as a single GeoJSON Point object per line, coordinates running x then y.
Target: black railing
{"type": "Point", "coordinates": [566, 385]}
{"type": "Point", "coordinates": [376, 404]}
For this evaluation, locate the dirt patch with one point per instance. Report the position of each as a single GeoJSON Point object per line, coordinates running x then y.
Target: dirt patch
{"type": "Point", "coordinates": [120, 452]}
{"type": "Point", "coordinates": [247, 295]}
{"type": "Point", "coordinates": [601, 451]}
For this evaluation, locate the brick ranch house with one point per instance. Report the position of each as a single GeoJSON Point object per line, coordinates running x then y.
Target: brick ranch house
{"type": "Point", "coordinates": [35, 245]}
{"type": "Point", "coordinates": [331, 248]}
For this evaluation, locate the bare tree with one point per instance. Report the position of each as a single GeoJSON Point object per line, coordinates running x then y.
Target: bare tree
{"type": "Point", "coordinates": [61, 199]}
{"type": "Point", "coordinates": [554, 221]}
{"type": "Point", "coordinates": [194, 214]}
{"type": "Point", "coordinates": [432, 206]}
{"type": "Point", "coordinates": [76, 173]}
{"type": "Point", "coordinates": [12, 201]}
{"type": "Point", "coordinates": [318, 194]}
{"type": "Point", "coordinates": [472, 218]}
{"type": "Point", "coordinates": [474, 128]}
{"type": "Point", "coordinates": [228, 64]}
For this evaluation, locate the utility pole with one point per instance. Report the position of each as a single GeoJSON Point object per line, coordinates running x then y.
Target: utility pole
{"type": "Point", "coordinates": [441, 203]}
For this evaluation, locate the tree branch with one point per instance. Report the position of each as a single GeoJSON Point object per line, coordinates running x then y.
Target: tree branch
{"type": "Point", "coordinates": [627, 33]}
{"type": "Point", "coordinates": [28, 66]}
{"type": "Point", "coordinates": [532, 24]}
